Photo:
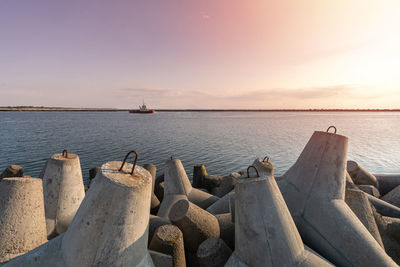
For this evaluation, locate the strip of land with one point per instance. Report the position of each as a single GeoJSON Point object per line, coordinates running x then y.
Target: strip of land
{"type": "Point", "coordinates": [66, 109]}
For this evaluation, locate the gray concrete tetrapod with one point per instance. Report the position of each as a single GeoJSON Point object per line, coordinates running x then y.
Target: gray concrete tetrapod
{"type": "Point", "coordinates": [213, 253]}
{"type": "Point", "coordinates": [22, 221]}
{"type": "Point", "coordinates": [362, 208]}
{"type": "Point", "coordinates": [195, 223]}
{"type": "Point", "coordinates": [226, 229]}
{"type": "Point", "coordinates": [393, 197]}
{"type": "Point", "coordinates": [360, 175]}
{"type": "Point", "coordinates": [386, 182]}
{"type": "Point", "coordinates": [63, 191]}
{"type": "Point", "coordinates": [12, 171]}
{"type": "Point", "coordinates": [110, 227]}
{"type": "Point", "coordinates": [384, 208]}
{"type": "Point", "coordinates": [265, 233]}
{"type": "Point", "coordinates": [314, 189]}
{"type": "Point", "coordinates": [155, 202]}
{"type": "Point", "coordinates": [168, 239]}
{"type": "Point", "coordinates": [177, 187]}
{"type": "Point", "coordinates": [221, 206]}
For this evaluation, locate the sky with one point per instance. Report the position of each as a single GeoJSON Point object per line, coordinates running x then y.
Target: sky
{"type": "Point", "coordinates": [205, 54]}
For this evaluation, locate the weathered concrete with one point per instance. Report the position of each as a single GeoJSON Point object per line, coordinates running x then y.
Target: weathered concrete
{"type": "Point", "coordinates": [159, 190]}
{"type": "Point", "coordinates": [110, 227]}
{"type": "Point", "coordinates": [393, 197]}
{"type": "Point", "coordinates": [227, 229]}
{"type": "Point", "coordinates": [199, 172]}
{"type": "Point", "coordinates": [168, 239]}
{"type": "Point", "coordinates": [370, 189]}
{"type": "Point", "coordinates": [387, 182]}
{"type": "Point", "coordinates": [314, 192]}
{"type": "Point", "coordinates": [161, 259]}
{"type": "Point", "coordinates": [390, 238]}
{"type": "Point", "coordinates": [154, 223]}
{"type": "Point", "coordinates": [213, 252]}
{"type": "Point", "coordinates": [384, 208]}
{"type": "Point", "coordinates": [360, 175]}
{"type": "Point", "coordinates": [167, 204]}
{"type": "Point", "coordinates": [232, 202]}
{"type": "Point", "coordinates": [210, 182]}
{"type": "Point", "coordinates": [22, 221]}
{"type": "Point", "coordinates": [195, 223]}
{"type": "Point", "coordinates": [12, 171]}
{"type": "Point", "coordinates": [63, 191]}
{"type": "Point", "coordinates": [265, 233]}
{"type": "Point", "coordinates": [264, 167]}
{"type": "Point", "coordinates": [177, 186]}
{"type": "Point", "coordinates": [227, 184]}
{"type": "Point", "coordinates": [359, 204]}
{"type": "Point", "coordinates": [93, 172]}
{"type": "Point", "coordinates": [155, 203]}
{"type": "Point", "coordinates": [349, 182]}
{"type": "Point", "coordinates": [221, 206]}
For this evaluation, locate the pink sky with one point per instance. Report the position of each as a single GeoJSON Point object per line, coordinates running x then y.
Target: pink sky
{"type": "Point", "coordinates": [200, 54]}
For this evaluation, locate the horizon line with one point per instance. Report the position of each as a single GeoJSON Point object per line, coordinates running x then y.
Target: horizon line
{"type": "Point", "coordinates": [44, 108]}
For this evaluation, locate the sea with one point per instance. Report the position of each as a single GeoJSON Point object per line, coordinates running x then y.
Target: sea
{"type": "Point", "coordinates": [223, 141]}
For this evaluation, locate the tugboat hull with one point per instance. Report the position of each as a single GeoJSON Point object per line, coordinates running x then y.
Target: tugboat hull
{"type": "Point", "coordinates": [150, 111]}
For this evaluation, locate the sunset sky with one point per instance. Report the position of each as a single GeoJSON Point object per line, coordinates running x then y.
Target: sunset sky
{"type": "Point", "coordinates": [200, 54]}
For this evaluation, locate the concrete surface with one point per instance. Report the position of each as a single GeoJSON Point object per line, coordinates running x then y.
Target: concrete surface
{"type": "Point", "coordinates": [63, 192]}
{"type": "Point", "coordinates": [177, 186]}
{"type": "Point", "coordinates": [213, 252]}
{"type": "Point", "coordinates": [22, 221]}
{"type": "Point", "coordinates": [110, 227]}
{"type": "Point", "coordinates": [168, 239]}
{"type": "Point", "coordinates": [313, 189]}
{"type": "Point", "coordinates": [195, 223]}
{"type": "Point", "coordinates": [265, 233]}
{"type": "Point", "coordinates": [360, 175]}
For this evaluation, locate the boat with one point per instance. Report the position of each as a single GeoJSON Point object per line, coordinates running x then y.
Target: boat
{"type": "Point", "coordinates": [142, 109]}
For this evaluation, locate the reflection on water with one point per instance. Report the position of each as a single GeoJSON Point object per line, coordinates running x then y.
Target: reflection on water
{"type": "Point", "coordinates": [223, 141]}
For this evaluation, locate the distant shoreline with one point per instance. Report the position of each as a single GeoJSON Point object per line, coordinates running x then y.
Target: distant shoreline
{"type": "Point", "coordinates": [63, 109]}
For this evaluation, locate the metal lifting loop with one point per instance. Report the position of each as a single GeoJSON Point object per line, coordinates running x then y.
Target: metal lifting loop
{"type": "Point", "coordinates": [248, 168]}
{"type": "Point", "coordinates": [65, 153]}
{"type": "Point", "coordinates": [266, 157]}
{"type": "Point", "coordinates": [126, 157]}
{"type": "Point", "coordinates": [331, 127]}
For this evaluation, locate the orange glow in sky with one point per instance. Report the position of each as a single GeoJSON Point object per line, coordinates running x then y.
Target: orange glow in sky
{"type": "Point", "coordinates": [201, 54]}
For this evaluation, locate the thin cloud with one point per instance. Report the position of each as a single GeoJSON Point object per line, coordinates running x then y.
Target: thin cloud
{"type": "Point", "coordinates": [205, 16]}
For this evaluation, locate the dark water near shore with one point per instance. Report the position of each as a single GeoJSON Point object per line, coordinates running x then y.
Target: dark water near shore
{"type": "Point", "coordinates": [223, 141]}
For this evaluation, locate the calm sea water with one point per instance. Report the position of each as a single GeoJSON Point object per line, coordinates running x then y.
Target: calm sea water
{"type": "Point", "coordinates": [223, 141]}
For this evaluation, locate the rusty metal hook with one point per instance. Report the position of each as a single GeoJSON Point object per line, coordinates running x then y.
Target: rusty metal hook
{"type": "Point", "coordinates": [248, 168]}
{"type": "Point", "coordinates": [331, 127]}
{"type": "Point", "coordinates": [266, 157]}
{"type": "Point", "coordinates": [126, 157]}
{"type": "Point", "coordinates": [65, 153]}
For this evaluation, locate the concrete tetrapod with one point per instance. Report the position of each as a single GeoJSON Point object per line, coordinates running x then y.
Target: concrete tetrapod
{"type": "Point", "coordinates": [177, 187]}
{"type": "Point", "coordinates": [387, 182]}
{"type": "Point", "coordinates": [213, 253]}
{"type": "Point", "coordinates": [22, 221]}
{"type": "Point", "coordinates": [63, 191]}
{"type": "Point", "coordinates": [195, 223]}
{"type": "Point", "coordinates": [155, 203]}
{"type": "Point", "coordinates": [168, 239]}
{"type": "Point", "coordinates": [110, 227]}
{"type": "Point", "coordinates": [265, 233]}
{"type": "Point", "coordinates": [361, 175]}
{"type": "Point", "coordinates": [362, 208]}
{"type": "Point", "coordinates": [313, 189]}
{"type": "Point", "coordinates": [393, 197]}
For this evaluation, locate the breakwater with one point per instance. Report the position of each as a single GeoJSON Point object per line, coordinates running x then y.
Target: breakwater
{"type": "Point", "coordinates": [321, 212]}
